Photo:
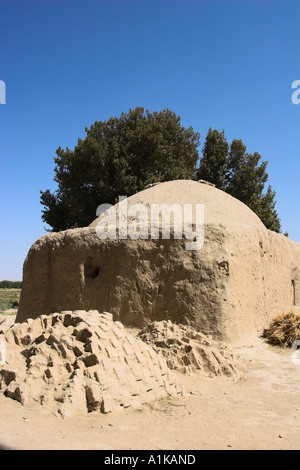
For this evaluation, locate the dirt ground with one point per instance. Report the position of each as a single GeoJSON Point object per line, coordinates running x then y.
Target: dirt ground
{"type": "Point", "coordinates": [260, 411]}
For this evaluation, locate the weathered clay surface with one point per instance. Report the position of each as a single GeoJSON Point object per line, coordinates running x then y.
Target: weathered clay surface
{"type": "Point", "coordinates": [242, 276]}
{"type": "Point", "coordinates": [189, 352]}
{"type": "Point", "coordinates": [73, 362]}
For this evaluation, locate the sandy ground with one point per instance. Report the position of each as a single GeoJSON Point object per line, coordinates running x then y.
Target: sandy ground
{"type": "Point", "coordinates": [260, 411]}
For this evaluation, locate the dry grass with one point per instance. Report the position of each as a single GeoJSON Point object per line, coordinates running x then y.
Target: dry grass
{"type": "Point", "coordinates": [284, 329]}
{"type": "Point", "coordinates": [9, 298]}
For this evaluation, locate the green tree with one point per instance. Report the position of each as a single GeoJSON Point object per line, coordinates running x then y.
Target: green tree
{"type": "Point", "coordinates": [118, 157]}
{"type": "Point", "coordinates": [239, 173]}
{"type": "Point", "coordinates": [10, 284]}
{"type": "Point", "coordinates": [266, 211]}
{"type": "Point", "coordinates": [235, 158]}
{"type": "Point", "coordinates": [213, 165]}
{"type": "Point", "coordinates": [122, 155]}
{"type": "Point", "coordinates": [246, 178]}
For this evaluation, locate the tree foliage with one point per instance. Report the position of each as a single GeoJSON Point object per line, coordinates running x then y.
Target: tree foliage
{"type": "Point", "coordinates": [240, 174]}
{"type": "Point", "coordinates": [214, 161]}
{"type": "Point", "coordinates": [120, 156]}
{"type": "Point", "coordinates": [10, 284]}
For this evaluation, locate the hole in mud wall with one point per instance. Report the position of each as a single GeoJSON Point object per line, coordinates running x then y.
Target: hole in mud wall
{"type": "Point", "coordinates": [91, 271]}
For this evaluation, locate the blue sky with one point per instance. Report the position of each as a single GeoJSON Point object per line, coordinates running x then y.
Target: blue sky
{"type": "Point", "coordinates": [66, 64]}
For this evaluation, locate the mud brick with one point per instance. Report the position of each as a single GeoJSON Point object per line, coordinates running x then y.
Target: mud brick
{"type": "Point", "coordinates": [101, 334]}
{"type": "Point", "coordinates": [111, 352]}
{"type": "Point", "coordinates": [152, 353]}
{"type": "Point", "coordinates": [114, 342]}
{"type": "Point", "coordinates": [14, 391]}
{"type": "Point", "coordinates": [162, 364]}
{"type": "Point", "coordinates": [107, 404]}
{"type": "Point", "coordinates": [160, 382]}
{"type": "Point", "coordinates": [93, 394]}
{"type": "Point", "coordinates": [100, 377]}
{"type": "Point", "coordinates": [92, 348]}
{"type": "Point", "coordinates": [91, 360]}
{"type": "Point", "coordinates": [106, 315]}
{"type": "Point", "coordinates": [91, 312]}
{"type": "Point", "coordinates": [77, 351]}
{"type": "Point", "coordinates": [136, 389]}
{"type": "Point", "coordinates": [40, 339]}
{"type": "Point", "coordinates": [131, 340]}
{"type": "Point", "coordinates": [170, 389]}
{"type": "Point", "coordinates": [114, 387]}
{"type": "Point", "coordinates": [132, 385]}
{"type": "Point", "coordinates": [104, 327]}
{"type": "Point", "coordinates": [127, 349]}
{"type": "Point", "coordinates": [119, 325]}
{"type": "Point", "coordinates": [46, 321]}
{"type": "Point", "coordinates": [119, 333]}
{"type": "Point", "coordinates": [63, 350]}
{"type": "Point", "coordinates": [136, 401]}
{"type": "Point", "coordinates": [120, 374]}
{"type": "Point", "coordinates": [35, 327]}
{"type": "Point", "coordinates": [8, 376]}
{"type": "Point", "coordinates": [106, 363]}
{"type": "Point", "coordinates": [83, 334]}
{"type": "Point", "coordinates": [149, 381]}
{"type": "Point", "coordinates": [10, 338]}
{"type": "Point", "coordinates": [68, 320]}
{"type": "Point", "coordinates": [125, 399]}
{"type": "Point", "coordinates": [137, 371]}
{"type": "Point", "coordinates": [139, 356]}
{"type": "Point", "coordinates": [52, 339]}
{"type": "Point", "coordinates": [152, 368]}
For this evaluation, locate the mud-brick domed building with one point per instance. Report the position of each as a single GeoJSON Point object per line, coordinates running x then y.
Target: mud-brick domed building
{"type": "Point", "coordinates": [230, 288]}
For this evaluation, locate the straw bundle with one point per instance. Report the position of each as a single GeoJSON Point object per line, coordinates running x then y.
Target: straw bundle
{"type": "Point", "coordinates": [284, 329]}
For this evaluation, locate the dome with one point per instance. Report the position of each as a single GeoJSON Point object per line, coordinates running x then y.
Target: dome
{"type": "Point", "coordinates": [219, 207]}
